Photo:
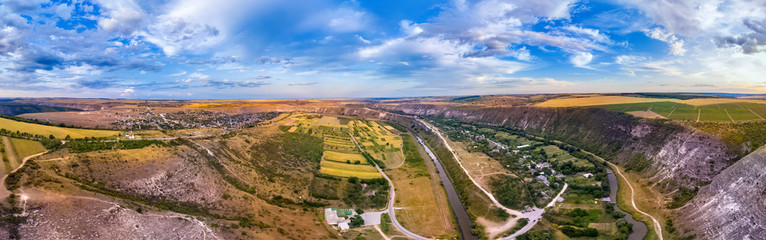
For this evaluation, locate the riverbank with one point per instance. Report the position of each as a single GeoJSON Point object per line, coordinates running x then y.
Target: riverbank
{"type": "Point", "coordinates": [639, 228]}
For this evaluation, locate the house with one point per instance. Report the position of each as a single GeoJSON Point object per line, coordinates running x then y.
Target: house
{"type": "Point", "coordinates": [544, 179]}
{"type": "Point", "coordinates": [338, 217]}
{"type": "Point", "coordinates": [331, 216]}
{"type": "Point", "coordinates": [343, 226]}
{"type": "Point", "coordinates": [543, 165]}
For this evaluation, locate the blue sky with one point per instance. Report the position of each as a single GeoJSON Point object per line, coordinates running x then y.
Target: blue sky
{"type": "Point", "coordinates": [320, 48]}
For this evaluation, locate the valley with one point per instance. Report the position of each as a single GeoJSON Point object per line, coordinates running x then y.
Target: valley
{"type": "Point", "coordinates": [431, 168]}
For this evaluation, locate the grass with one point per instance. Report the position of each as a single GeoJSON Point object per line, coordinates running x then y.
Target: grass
{"type": "Point", "coordinates": [420, 212]}
{"type": "Point", "coordinates": [25, 148]}
{"type": "Point", "coordinates": [427, 213]}
{"type": "Point", "coordinates": [58, 132]}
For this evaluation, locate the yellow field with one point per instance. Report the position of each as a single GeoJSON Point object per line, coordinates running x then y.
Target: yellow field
{"type": "Point", "coordinates": [26, 148]}
{"type": "Point", "coordinates": [364, 166]}
{"type": "Point", "coordinates": [58, 132]}
{"type": "Point", "coordinates": [348, 173]}
{"type": "Point", "coordinates": [421, 213]}
{"type": "Point", "coordinates": [328, 120]}
{"type": "Point", "coordinates": [342, 157]}
{"type": "Point", "coordinates": [595, 100]}
{"type": "Point", "coordinates": [337, 142]}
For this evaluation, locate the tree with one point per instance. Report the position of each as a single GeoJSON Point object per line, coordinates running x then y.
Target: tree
{"type": "Point", "coordinates": [357, 221]}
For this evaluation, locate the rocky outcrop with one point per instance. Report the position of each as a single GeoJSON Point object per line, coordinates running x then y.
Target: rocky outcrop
{"type": "Point", "coordinates": [733, 205]}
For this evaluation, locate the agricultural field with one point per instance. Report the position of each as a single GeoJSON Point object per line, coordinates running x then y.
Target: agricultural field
{"type": "Point", "coordinates": [14, 150]}
{"type": "Point", "coordinates": [426, 213]}
{"type": "Point", "coordinates": [58, 132]}
{"type": "Point", "coordinates": [341, 157]}
{"type": "Point", "coordinates": [694, 109]}
{"type": "Point", "coordinates": [726, 112]}
{"type": "Point", "coordinates": [598, 100]}
{"type": "Point", "coordinates": [25, 148]}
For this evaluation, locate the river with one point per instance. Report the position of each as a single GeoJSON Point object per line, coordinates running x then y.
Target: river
{"type": "Point", "coordinates": [463, 220]}
{"type": "Point", "coordinates": [639, 228]}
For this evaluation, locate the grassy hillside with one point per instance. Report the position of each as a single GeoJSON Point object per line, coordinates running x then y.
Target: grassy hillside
{"type": "Point", "coordinates": [58, 132]}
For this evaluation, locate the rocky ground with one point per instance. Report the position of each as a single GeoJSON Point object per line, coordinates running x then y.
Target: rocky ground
{"type": "Point", "coordinates": [733, 206]}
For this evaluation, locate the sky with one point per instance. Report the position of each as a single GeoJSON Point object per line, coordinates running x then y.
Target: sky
{"type": "Point", "coordinates": [240, 49]}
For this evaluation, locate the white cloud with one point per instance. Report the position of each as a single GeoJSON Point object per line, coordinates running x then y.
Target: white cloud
{"type": "Point", "coordinates": [363, 40]}
{"type": "Point", "coordinates": [178, 74]}
{"type": "Point", "coordinates": [127, 92]}
{"type": "Point", "coordinates": [468, 40]}
{"type": "Point", "coordinates": [581, 59]}
{"type": "Point", "coordinates": [628, 59]}
{"type": "Point", "coordinates": [175, 34]}
{"type": "Point", "coordinates": [593, 34]}
{"type": "Point", "coordinates": [676, 45]}
{"type": "Point", "coordinates": [196, 77]}
{"type": "Point", "coordinates": [410, 28]}
{"type": "Point", "coordinates": [64, 11]}
{"type": "Point", "coordinates": [121, 16]}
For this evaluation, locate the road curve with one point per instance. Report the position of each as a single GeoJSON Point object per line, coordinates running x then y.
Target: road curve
{"type": "Point", "coordinates": [390, 208]}
{"type": "Point", "coordinates": [535, 216]}
{"type": "Point", "coordinates": [657, 227]}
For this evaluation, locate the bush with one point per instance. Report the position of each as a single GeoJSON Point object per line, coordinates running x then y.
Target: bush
{"type": "Point", "coordinates": [574, 232]}
{"type": "Point", "coordinates": [357, 221]}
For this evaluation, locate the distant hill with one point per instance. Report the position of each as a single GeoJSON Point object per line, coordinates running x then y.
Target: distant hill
{"type": "Point", "coordinates": [13, 109]}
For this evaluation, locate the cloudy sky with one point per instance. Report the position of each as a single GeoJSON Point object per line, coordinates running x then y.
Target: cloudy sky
{"type": "Point", "coordinates": [227, 49]}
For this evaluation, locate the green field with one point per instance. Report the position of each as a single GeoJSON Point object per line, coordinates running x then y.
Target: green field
{"type": "Point", "coordinates": [58, 132]}
{"type": "Point", "coordinates": [25, 148]}
{"type": "Point", "coordinates": [726, 112]}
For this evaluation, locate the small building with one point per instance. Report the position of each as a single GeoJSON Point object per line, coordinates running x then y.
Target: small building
{"type": "Point", "coordinates": [523, 146]}
{"type": "Point", "coordinates": [544, 179]}
{"type": "Point", "coordinates": [338, 217]}
{"type": "Point", "coordinates": [587, 175]}
{"type": "Point", "coordinates": [343, 226]}
{"type": "Point", "coordinates": [331, 216]}
{"type": "Point", "coordinates": [543, 165]}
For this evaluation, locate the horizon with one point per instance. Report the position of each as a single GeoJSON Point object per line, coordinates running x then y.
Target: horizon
{"type": "Point", "coordinates": [717, 94]}
{"type": "Point", "coordinates": [136, 49]}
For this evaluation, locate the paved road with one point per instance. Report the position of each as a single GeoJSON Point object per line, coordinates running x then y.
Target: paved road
{"type": "Point", "coordinates": [391, 201]}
